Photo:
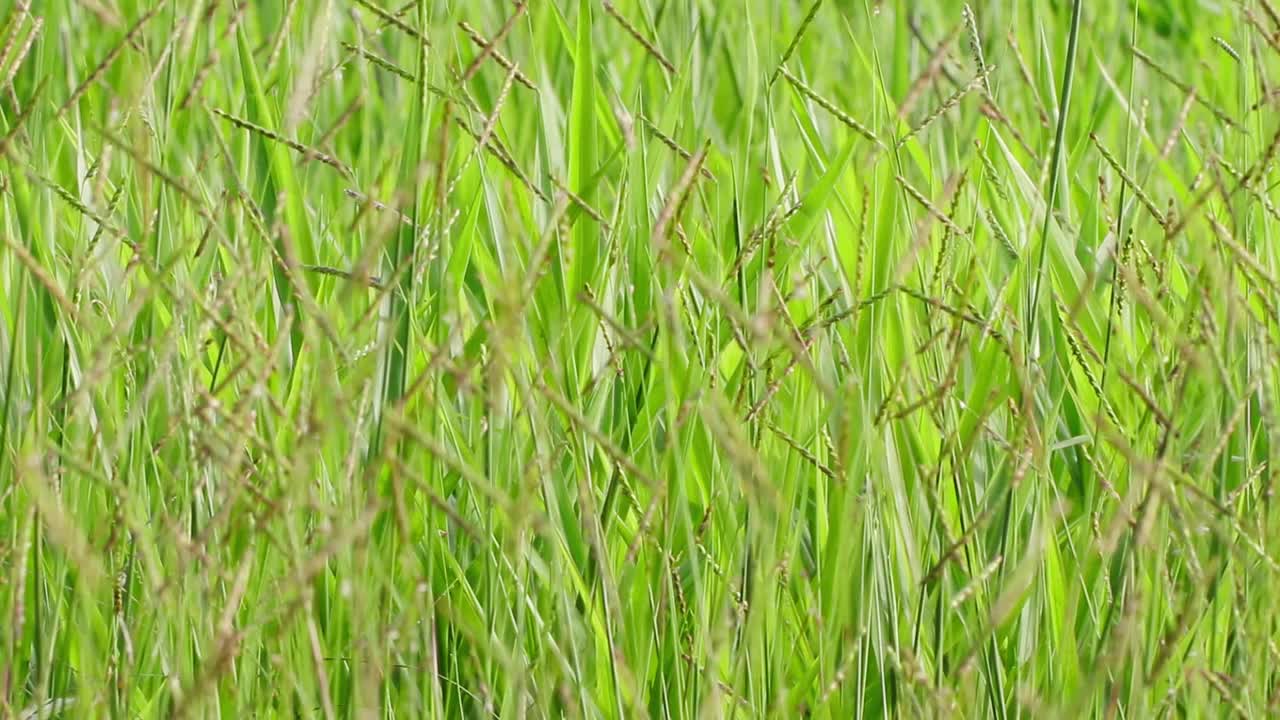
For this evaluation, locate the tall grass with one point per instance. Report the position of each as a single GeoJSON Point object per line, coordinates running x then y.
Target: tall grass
{"type": "Point", "coordinates": [638, 359]}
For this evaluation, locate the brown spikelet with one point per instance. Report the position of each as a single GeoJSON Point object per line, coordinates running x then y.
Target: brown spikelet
{"type": "Point", "coordinates": [394, 21]}
{"type": "Point", "coordinates": [993, 112]}
{"type": "Point", "coordinates": [442, 148]}
{"type": "Point", "coordinates": [1258, 195]}
{"type": "Point", "coordinates": [929, 207]}
{"type": "Point", "coordinates": [1270, 10]}
{"type": "Point", "coordinates": [627, 335]}
{"type": "Point", "coordinates": [1179, 124]}
{"type": "Point", "coordinates": [10, 31]}
{"type": "Point", "coordinates": [997, 230]}
{"type": "Point", "coordinates": [675, 198]}
{"type": "Point", "coordinates": [1272, 38]}
{"type": "Point", "coordinates": [975, 46]}
{"type": "Point", "coordinates": [582, 204]}
{"type": "Point", "coordinates": [1246, 259]}
{"type": "Point", "coordinates": [200, 206]}
{"type": "Point", "coordinates": [17, 59]}
{"type": "Point", "coordinates": [950, 193]}
{"type": "Point", "coordinates": [795, 40]}
{"type": "Point", "coordinates": [1077, 344]}
{"type": "Point", "coordinates": [379, 61]}
{"type": "Point", "coordinates": [372, 282]}
{"type": "Point", "coordinates": [488, 48]}
{"type": "Point", "coordinates": [505, 158]}
{"type": "Point", "coordinates": [913, 24]}
{"type": "Point", "coordinates": [583, 423]}
{"type": "Point", "coordinates": [966, 315]}
{"type": "Point", "coordinates": [70, 199]}
{"type": "Point", "coordinates": [1197, 204]}
{"type": "Point", "coordinates": [1133, 186]}
{"type": "Point", "coordinates": [294, 145]}
{"type": "Point", "coordinates": [932, 69]}
{"type": "Point", "coordinates": [486, 134]}
{"type": "Point", "coordinates": [1126, 255]}
{"type": "Point", "coordinates": [648, 45]}
{"type": "Point", "coordinates": [377, 204]}
{"type": "Point", "coordinates": [976, 584]}
{"type": "Point", "coordinates": [1158, 69]}
{"type": "Point", "coordinates": [802, 451]}
{"type": "Point", "coordinates": [114, 53]}
{"type": "Point", "coordinates": [829, 106]}
{"type": "Point", "coordinates": [859, 260]}
{"type": "Point", "coordinates": [498, 57]}
{"type": "Point", "coordinates": [1263, 164]}
{"type": "Point", "coordinates": [778, 214]}
{"type": "Point", "coordinates": [347, 113]}
{"type": "Point", "coordinates": [993, 176]}
{"type": "Point", "coordinates": [948, 104]}
{"type": "Point", "coordinates": [1227, 689]}
{"type": "Point", "coordinates": [674, 146]}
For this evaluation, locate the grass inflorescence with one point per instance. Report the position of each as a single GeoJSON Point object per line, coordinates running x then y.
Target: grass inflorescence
{"type": "Point", "coordinates": [633, 358]}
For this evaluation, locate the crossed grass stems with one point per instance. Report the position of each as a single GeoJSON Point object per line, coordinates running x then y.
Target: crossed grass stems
{"type": "Point", "coordinates": [1058, 358]}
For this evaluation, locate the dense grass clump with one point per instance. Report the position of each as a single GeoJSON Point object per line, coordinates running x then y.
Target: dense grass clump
{"type": "Point", "coordinates": [643, 358]}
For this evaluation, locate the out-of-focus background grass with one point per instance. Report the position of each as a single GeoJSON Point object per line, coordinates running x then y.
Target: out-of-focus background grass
{"type": "Point", "coordinates": [654, 358]}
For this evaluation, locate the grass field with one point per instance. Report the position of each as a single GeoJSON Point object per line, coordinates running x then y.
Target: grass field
{"type": "Point", "coordinates": [645, 358]}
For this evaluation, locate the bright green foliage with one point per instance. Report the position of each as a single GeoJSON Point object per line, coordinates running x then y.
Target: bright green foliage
{"type": "Point", "coordinates": [668, 358]}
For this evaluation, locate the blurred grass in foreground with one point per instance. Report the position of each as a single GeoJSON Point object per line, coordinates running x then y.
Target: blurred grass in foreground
{"type": "Point", "coordinates": [646, 358]}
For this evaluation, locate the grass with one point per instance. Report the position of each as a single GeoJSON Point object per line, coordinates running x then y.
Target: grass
{"type": "Point", "coordinates": [639, 358]}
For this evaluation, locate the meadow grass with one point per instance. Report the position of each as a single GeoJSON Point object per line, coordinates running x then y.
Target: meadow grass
{"type": "Point", "coordinates": [643, 358]}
